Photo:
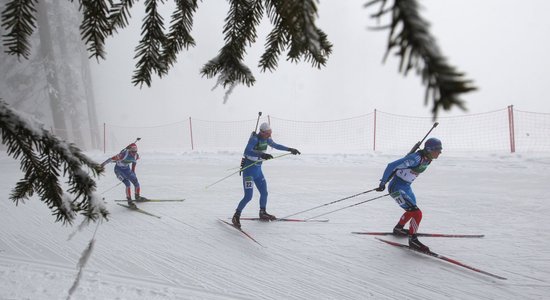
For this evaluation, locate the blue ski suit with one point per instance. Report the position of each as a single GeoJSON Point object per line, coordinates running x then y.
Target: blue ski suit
{"type": "Point", "coordinates": [252, 154]}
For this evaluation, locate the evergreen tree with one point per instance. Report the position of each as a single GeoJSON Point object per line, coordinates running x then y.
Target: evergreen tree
{"type": "Point", "coordinates": [44, 159]}
{"type": "Point", "coordinates": [294, 31]}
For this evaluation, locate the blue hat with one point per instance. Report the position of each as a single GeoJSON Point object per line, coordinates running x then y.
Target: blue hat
{"type": "Point", "coordinates": [433, 144]}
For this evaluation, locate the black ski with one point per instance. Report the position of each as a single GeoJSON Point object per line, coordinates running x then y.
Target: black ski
{"type": "Point", "coordinates": [286, 220]}
{"type": "Point", "coordinates": [422, 234]}
{"type": "Point", "coordinates": [154, 200]}
{"type": "Point", "coordinates": [139, 210]}
{"type": "Point", "coordinates": [439, 256]}
{"type": "Point", "coordinates": [242, 231]}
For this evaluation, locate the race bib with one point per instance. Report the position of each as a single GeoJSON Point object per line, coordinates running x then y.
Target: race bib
{"type": "Point", "coordinates": [399, 199]}
{"type": "Point", "coordinates": [248, 183]}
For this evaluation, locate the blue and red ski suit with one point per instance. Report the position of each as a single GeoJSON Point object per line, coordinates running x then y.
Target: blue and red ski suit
{"type": "Point", "coordinates": [124, 172]}
{"type": "Point", "coordinates": [405, 171]}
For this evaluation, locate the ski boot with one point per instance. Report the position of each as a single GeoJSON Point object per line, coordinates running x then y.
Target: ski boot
{"type": "Point", "coordinates": [131, 203]}
{"type": "Point", "coordinates": [236, 220]}
{"type": "Point", "coordinates": [264, 216]}
{"type": "Point", "coordinates": [415, 244]}
{"type": "Point", "coordinates": [140, 198]}
{"type": "Point", "coordinates": [398, 230]}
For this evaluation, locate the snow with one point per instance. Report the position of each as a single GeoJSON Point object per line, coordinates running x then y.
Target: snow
{"type": "Point", "coordinates": [189, 254]}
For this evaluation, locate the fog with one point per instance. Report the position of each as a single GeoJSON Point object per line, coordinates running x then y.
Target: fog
{"type": "Point", "coordinates": [500, 45]}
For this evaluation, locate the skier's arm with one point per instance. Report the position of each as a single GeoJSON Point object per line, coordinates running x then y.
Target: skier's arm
{"type": "Point", "coordinates": [111, 159]}
{"type": "Point", "coordinates": [271, 143]}
{"type": "Point", "coordinates": [402, 163]}
{"type": "Point", "coordinates": [134, 167]}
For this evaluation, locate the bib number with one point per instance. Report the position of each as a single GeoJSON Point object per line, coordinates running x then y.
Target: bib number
{"type": "Point", "coordinates": [399, 199]}
{"type": "Point", "coordinates": [248, 183]}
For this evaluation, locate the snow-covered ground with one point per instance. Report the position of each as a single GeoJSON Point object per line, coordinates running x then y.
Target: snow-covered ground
{"type": "Point", "coordinates": [189, 254]}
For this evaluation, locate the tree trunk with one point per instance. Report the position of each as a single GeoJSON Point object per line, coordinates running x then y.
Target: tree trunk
{"type": "Point", "coordinates": [70, 91]}
{"type": "Point", "coordinates": [46, 51]}
{"type": "Point", "coordinates": [90, 100]}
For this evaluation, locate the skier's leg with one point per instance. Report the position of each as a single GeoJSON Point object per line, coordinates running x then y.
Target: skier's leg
{"type": "Point", "coordinates": [248, 188]}
{"type": "Point", "coordinates": [261, 185]}
{"type": "Point", "coordinates": [133, 179]}
{"type": "Point", "coordinates": [123, 176]}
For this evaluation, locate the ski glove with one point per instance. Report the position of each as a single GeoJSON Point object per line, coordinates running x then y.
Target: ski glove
{"type": "Point", "coordinates": [294, 151]}
{"type": "Point", "coordinates": [266, 156]}
{"type": "Point", "coordinates": [381, 187]}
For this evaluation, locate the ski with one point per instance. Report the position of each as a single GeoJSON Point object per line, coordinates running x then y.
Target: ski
{"type": "Point", "coordinates": [423, 234]}
{"type": "Point", "coordinates": [242, 231]}
{"type": "Point", "coordinates": [439, 256]}
{"type": "Point", "coordinates": [154, 200]}
{"type": "Point", "coordinates": [139, 210]}
{"type": "Point", "coordinates": [286, 220]}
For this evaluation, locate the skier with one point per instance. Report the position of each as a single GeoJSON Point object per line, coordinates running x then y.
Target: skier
{"type": "Point", "coordinates": [254, 154]}
{"type": "Point", "coordinates": [406, 170]}
{"type": "Point", "coordinates": [128, 156]}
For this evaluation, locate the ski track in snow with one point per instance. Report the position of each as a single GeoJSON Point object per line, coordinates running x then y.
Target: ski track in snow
{"type": "Point", "coordinates": [189, 254]}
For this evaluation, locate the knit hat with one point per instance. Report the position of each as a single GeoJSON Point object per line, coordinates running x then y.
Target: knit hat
{"type": "Point", "coordinates": [265, 127]}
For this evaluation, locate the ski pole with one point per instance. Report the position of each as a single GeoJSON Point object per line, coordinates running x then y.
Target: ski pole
{"type": "Point", "coordinates": [336, 201]}
{"type": "Point", "coordinates": [348, 206]}
{"type": "Point", "coordinates": [240, 170]}
{"type": "Point", "coordinates": [111, 188]}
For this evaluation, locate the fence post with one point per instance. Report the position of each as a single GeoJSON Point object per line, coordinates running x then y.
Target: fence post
{"type": "Point", "coordinates": [191, 133]}
{"type": "Point", "coordinates": [374, 132]}
{"type": "Point", "coordinates": [511, 128]}
{"type": "Point", "coordinates": [104, 138]}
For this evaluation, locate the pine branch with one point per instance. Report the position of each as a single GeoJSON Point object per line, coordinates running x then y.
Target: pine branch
{"type": "Point", "coordinates": [95, 26]}
{"type": "Point", "coordinates": [19, 20]}
{"type": "Point", "coordinates": [277, 39]}
{"type": "Point", "coordinates": [240, 29]}
{"type": "Point", "coordinates": [119, 14]}
{"type": "Point", "coordinates": [294, 23]}
{"type": "Point", "coordinates": [149, 48]}
{"type": "Point", "coordinates": [43, 156]}
{"type": "Point", "coordinates": [417, 49]}
{"type": "Point", "coordinates": [179, 36]}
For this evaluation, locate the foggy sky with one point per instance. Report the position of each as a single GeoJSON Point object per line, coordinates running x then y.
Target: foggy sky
{"type": "Point", "coordinates": [501, 44]}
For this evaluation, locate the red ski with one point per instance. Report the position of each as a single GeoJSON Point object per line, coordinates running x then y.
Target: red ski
{"type": "Point", "coordinates": [439, 256]}
{"type": "Point", "coordinates": [242, 231]}
{"type": "Point", "coordinates": [423, 234]}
